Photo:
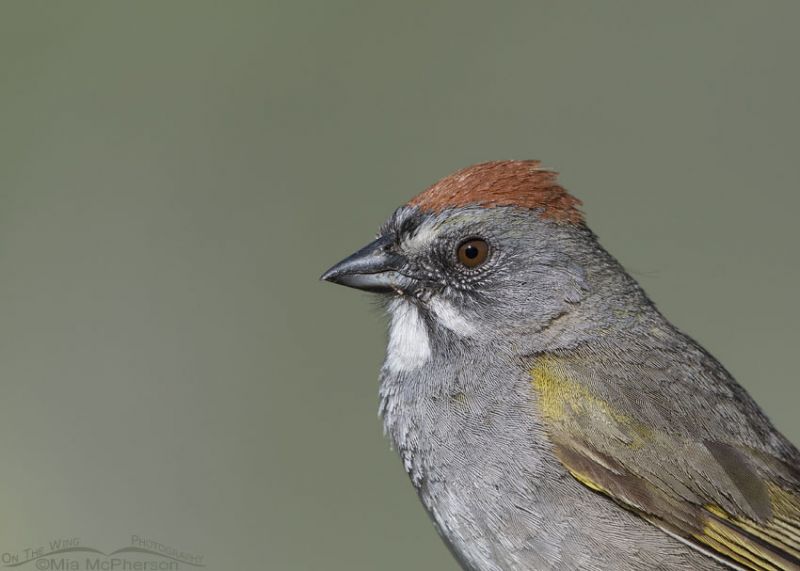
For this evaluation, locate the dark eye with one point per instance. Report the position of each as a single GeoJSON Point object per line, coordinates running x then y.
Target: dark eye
{"type": "Point", "coordinates": [473, 252]}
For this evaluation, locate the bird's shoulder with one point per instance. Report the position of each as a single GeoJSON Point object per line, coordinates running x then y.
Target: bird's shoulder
{"type": "Point", "coordinates": [663, 429]}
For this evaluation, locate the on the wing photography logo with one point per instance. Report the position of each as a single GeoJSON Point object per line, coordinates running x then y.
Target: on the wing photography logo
{"type": "Point", "coordinates": [69, 554]}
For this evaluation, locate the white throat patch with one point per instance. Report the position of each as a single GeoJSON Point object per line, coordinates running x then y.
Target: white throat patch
{"type": "Point", "coordinates": [409, 346]}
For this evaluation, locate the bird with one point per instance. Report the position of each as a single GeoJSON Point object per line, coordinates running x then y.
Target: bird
{"type": "Point", "coordinates": [548, 415]}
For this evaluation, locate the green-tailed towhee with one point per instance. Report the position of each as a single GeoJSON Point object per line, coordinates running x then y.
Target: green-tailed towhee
{"type": "Point", "coordinates": [548, 415]}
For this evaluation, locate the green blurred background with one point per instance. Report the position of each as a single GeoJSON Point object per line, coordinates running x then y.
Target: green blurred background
{"type": "Point", "coordinates": [174, 176]}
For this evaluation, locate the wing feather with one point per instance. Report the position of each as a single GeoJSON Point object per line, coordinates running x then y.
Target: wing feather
{"type": "Point", "coordinates": [725, 498]}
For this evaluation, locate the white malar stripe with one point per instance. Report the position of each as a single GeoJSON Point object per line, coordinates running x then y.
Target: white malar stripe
{"type": "Point", "coordinates": [409, 346]}
{"type": "Point", "coordinates": [451, 318]}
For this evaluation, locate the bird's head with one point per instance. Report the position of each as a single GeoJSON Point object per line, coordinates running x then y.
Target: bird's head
{"type": "Point", "coordinates": [489, 252]}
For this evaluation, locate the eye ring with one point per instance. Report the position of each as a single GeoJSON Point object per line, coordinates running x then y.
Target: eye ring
{"type": "Point", "coordinates": [472, 252]}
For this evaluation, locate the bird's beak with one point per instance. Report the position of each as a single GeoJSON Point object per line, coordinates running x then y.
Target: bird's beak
{"type": "Point", "coordinates": [373, 268]}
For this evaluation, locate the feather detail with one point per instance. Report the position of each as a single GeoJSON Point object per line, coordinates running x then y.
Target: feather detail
{"type": "Point", "coordinates": [503, 183]}
{"type": "Point", "coordinates": [737, 502]}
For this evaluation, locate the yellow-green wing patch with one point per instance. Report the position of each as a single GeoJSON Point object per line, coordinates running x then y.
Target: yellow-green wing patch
{"type": "Point", "coordinates": [733, 503]}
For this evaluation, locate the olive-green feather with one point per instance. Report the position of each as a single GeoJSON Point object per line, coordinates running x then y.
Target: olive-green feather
{"type": "Point", "coordinates": [714, 486]}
